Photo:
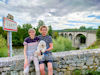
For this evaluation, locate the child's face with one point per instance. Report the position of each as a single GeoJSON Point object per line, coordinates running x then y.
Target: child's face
{"type": "Point", "coordinates": [31, 33]}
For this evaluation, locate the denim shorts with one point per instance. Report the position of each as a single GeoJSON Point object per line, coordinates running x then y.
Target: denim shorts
{"type": "Point", "coordinates": [46, 58]}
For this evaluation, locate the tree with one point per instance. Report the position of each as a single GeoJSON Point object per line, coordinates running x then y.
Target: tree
{"type": "Point", "coordinates": [55, 34]}
{"type": "Point", "coordinates": [40, 23]}
{"type": "Point", "coordinates": [21, 34]}
{"type": "Point", "coordinates": [89, 28]}
{"type": "Point", "coordinates": [25, 29]}
{"type": "Point", "coordinates": [50, 30]}
{"type": "Point", "coordinates": [82, 27]}
{"type": "Point", "coordinates": [37, 31]}
{"type": "Point", "coordinates": [4, 33]}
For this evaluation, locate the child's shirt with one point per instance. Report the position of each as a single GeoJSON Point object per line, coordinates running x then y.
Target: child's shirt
{"type": "Point", "coordinates": [31, 45]}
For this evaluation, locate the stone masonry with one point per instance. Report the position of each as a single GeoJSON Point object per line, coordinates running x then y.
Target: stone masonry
{"type": "Point", "coordinates": [64, 63]}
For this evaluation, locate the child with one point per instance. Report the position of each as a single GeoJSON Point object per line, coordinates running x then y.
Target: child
{"type": "Point", "coordinates": [30, 46]}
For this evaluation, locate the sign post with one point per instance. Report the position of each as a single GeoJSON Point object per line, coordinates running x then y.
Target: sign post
{"type": "Point", "coordinates": [9, 43]}
{"type": "Point", "coordinates": [9, 25]}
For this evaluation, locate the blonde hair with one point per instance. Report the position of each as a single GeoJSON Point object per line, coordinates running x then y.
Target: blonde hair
{"type": "Point", "coordinates": [31, 29]}
{"type": "Point", "coordinates": [40, 29]}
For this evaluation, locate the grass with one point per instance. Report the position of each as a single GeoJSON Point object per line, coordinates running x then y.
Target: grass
{"type": "Point", "coordinates": [3, 52]}
{"type": "Point", "coordinates": [86, 72]}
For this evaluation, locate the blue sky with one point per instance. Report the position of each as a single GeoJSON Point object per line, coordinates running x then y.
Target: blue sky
{"type": "Point", "coordinates": [60, 14]}
{"type": "Point", "coordinates": [0, 19]}
{"type": "Point", "coordinates": [97, 17]}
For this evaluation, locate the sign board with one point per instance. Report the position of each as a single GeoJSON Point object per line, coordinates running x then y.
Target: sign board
{"type": "Point", "coordinates": [9, 25]}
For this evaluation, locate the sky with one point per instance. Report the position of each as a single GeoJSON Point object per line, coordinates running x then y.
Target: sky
{"type": "Point", "coordinates": [60, 14]}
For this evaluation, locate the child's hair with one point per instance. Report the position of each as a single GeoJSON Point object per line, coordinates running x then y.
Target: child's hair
{"type": "Point", "coordinates": [40, 29]}
{"type": "Point", "coordinates": [31, 29]}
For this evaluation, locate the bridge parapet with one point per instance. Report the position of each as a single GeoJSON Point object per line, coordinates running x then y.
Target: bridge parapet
{"type": "Point", "coordinates": [64, 63]}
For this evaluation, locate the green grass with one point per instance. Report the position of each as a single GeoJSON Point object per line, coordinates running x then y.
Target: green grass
{"type": "Point", "coordinates": [3, 52]}
{"type": "Point", "coordinates": [86, 72]}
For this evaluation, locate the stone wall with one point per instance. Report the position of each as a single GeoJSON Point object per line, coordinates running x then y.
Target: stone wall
{"type": "Point", "coordinates": [64, 63]}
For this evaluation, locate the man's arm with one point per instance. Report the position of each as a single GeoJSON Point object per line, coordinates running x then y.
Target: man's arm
{"type": "Point", "coordinates": [50, 47]}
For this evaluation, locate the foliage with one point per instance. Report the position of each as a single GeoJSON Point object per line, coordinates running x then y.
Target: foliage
{"type": "Point", "coordinates": [4, 52]}
{"type": "Point", "coordinates": [2, 42]}
{"type": "Point", "coordinates": [50, 30]}
{"type": "Point", "coordinates": [3, 47]}
{"type": "Point", "coordinates": [92, 72]}
{"type": "Point", "coordinates": [86, 72]}
{"type": "Point", "coordinates": [19, 36]}
{"type": "Point", "coordinates": [82, 27]}
{"type": "Point", "coordinates": [40, 23]}
{"type": "Point", "coordinates": [77, 72]}
{"type": "Point", "coordinates": [62, 44]}
{"type": "Point", "coordinates": [55, 35]}
{"type": "Point", "coordinates": [3, 33]}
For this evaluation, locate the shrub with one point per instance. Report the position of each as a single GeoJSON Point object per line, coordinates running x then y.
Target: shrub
{"type": "Point", "coordinates": [62, 44]}
{"type": "Point", "coordinates": [77, 72]}
{"type": "Point", "coordinates": [3, 47]}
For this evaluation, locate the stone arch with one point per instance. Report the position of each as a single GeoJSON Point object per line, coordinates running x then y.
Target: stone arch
{"type": "Point", "coordinates": [80, 40]}
{"type": "Point", "coordinates": [66, 35]}
{"type": "Point", "coordinates": [70, 36]}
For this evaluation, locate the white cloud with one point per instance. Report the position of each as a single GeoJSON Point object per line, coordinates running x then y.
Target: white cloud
{"type": "Point", "coordinates": [28, 3]}
{"type": "Point", "coordinates": [53, 12]}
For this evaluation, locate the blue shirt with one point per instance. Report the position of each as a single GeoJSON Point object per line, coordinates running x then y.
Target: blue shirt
{"type": "Point", "coordinates": [47, 39]}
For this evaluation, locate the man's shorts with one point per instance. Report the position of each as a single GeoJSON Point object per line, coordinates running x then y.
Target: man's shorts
{"type": "Point", "coordinates": [46, 58]}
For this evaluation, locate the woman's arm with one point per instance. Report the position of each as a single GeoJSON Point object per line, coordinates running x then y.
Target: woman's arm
{"type": "Point", "coordinates": [50, 47]}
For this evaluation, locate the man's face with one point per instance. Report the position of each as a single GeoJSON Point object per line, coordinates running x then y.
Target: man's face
{"type": "Point", "coordinates": [44, 31]}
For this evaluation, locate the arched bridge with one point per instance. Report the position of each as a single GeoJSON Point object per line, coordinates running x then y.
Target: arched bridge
{"type": "Point", "coordinates": [80, 38]}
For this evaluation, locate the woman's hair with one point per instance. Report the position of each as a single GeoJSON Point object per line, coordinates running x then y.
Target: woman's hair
{"type": "Point", "coordinates": [31, 29]}
{"type": "Point", "coordinates": [40, 29]}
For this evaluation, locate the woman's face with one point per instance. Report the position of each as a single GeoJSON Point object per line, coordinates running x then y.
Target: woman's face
{"type": "Point", "coordinates": [31, 33]}
{"type": "Point", "coordinates": [44, 31]}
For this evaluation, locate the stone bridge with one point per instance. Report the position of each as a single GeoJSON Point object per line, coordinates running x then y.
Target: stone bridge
{"type": "Point", "coordinates": [64, 63]}
{"type": "Point", "coordinates": [80, 37]}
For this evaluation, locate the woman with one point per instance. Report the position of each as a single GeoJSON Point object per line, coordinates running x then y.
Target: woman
{"type": "Point", "coordinates": [47, 54]}
{"type": "Point", "coordinates": [30, 46]}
